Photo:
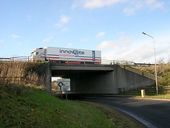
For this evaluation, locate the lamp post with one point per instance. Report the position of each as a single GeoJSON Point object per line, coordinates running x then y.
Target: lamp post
{"type": "Point", "coordinates": [156, 78]}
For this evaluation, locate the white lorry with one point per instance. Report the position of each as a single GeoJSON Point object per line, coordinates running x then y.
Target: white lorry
{"type": "Point", "coordinates": [67, 55]}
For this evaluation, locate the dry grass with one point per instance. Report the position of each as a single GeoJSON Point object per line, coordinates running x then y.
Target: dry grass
{"type": "Point", "coordinates": [163, 71]}
{"type": "Point", "coordinates": [22, 73]}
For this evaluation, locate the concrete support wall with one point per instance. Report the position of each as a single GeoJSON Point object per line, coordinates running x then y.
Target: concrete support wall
{"type": "Point", "coordinates": [48, 78]}
{"type": "Point", "coordinates": [127, 80]}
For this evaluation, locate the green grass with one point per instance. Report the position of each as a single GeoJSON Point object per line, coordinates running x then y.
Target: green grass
{"type": "Point", "coordinates": [22, 107]}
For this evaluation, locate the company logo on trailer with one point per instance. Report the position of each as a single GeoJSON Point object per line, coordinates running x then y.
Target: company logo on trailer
{"type": "Point", "coordinates": [75, 52]}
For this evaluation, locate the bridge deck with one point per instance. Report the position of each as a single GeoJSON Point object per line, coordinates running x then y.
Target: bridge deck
{"type": "Point", "coordinates": [82, 67]}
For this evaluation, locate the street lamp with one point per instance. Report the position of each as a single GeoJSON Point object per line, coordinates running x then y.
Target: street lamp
{"type": "Point", "coordinates": [156, 78]}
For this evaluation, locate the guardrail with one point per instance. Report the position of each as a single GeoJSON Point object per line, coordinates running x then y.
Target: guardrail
{"type": "Point", "coordinates": [103, 61]}
{"type": "Point", "coordinates": [29, 58]}
{"type": "Point", "coordinates": [16, 58]}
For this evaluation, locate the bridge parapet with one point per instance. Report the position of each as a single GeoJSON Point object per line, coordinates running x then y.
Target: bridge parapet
{"type": "Point", "coordinates": [82, 67]}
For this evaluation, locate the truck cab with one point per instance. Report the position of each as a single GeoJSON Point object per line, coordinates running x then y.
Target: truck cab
{"type": "Point", "coordinates": [38, 54]}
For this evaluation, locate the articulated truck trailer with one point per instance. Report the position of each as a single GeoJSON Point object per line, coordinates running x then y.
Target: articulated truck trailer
{"type": "Point", "coordinates": [67, 55]}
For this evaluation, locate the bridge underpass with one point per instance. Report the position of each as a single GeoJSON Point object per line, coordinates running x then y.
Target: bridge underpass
{"type": "Point", "coordinates": [99, 79]}
{"type": "Point", "coordinates": [87, 79]}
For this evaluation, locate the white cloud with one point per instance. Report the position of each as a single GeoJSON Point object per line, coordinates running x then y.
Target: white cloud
{"type": "Point", "coordinates": [100, 35]}
{"type": "Point", "coordinates": [163, 47]}
{"type": "Point", "coordinates": [15, 36]}
{"type": "Point", "coordinates": [63, 21]}
{"type": "Point", "coordinates": [135, 5]}
{"type": "Point", "coordinates": [112, 49]}
{"type": "Point", "coordinates": [125, 48]}
{"type": "Point", "coordinates": [108, 44]}
{"type": "Point", "coordinates": [129, 7]}
{"type": "Point", "coordinates": [92, 4]}
{"type": "Point", "coordinates": [154, 4]}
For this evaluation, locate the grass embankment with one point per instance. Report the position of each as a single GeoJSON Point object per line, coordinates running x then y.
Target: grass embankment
{"type": "Point", "coordinates": [22, 107]}
{"type": "Point", "coordinates": [163, 72]}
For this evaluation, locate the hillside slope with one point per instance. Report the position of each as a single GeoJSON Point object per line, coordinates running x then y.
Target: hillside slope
{"type": "Point", "coordinates": [163, 72]}
{"type": "Point", "coordinates": [22, 107]}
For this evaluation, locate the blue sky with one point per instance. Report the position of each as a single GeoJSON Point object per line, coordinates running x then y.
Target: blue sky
{"type": "Point", "coordinates": [112, 26]}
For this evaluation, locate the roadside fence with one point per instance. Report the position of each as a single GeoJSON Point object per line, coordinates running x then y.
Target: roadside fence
{"type": "Point", "coordinates": [16, 58]}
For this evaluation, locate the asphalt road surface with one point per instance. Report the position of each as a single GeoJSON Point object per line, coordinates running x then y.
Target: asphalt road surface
{"type": "Point", "coordinates": [152, 113]}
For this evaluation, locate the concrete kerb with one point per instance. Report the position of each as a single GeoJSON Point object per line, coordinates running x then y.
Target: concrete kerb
{"type": "Point", "coordinates": [141, 98]}
{"type": "Point", "coordinates": [149, 98]}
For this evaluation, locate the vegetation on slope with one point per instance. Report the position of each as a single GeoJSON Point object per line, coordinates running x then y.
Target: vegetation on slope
{"type": "Point", "coordinates": [23, 107]}
{"type": "Point", "coordinates": [23, 73]}
{"type": "Point", "coordinates": [163, 71]}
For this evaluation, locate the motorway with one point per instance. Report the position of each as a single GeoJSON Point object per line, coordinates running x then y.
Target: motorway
{"type": "Point", "coordinates": [151, 113]}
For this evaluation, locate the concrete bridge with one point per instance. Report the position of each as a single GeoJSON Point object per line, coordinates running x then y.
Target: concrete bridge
{"type": "Point", "coordinates": [98, 79]}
